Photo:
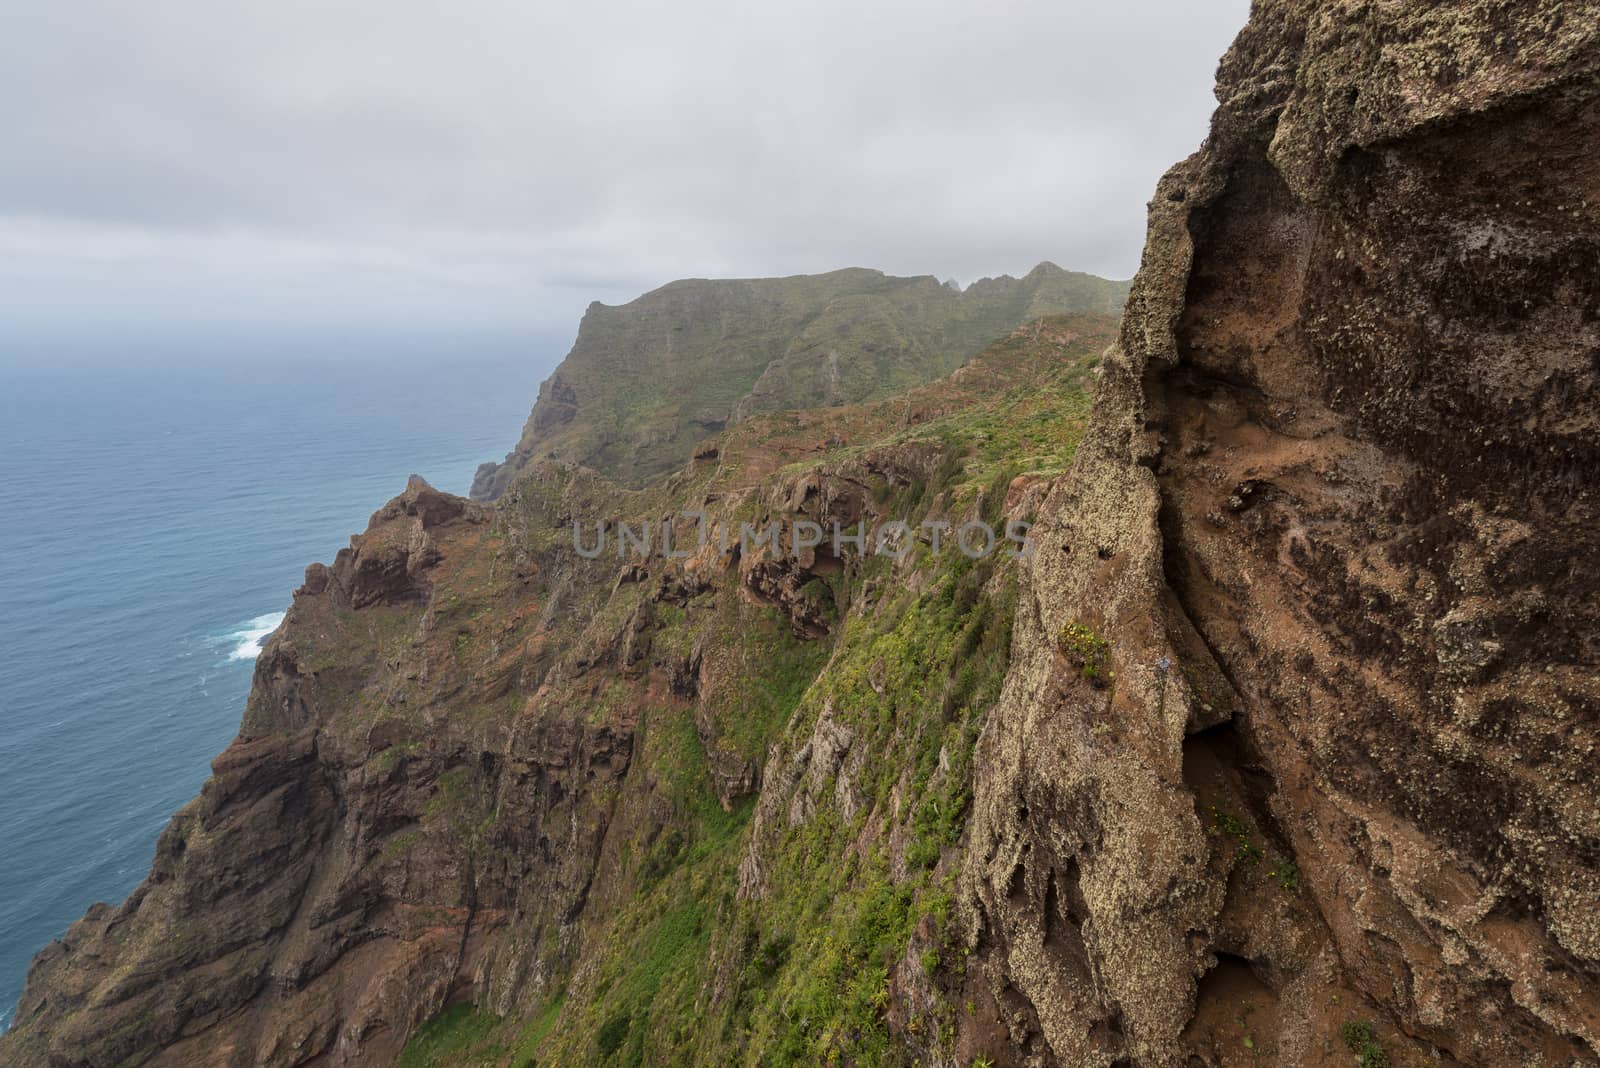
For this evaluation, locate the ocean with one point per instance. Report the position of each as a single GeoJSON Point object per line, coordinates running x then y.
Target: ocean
{"type": "Point", "coordinates": [157, 515]}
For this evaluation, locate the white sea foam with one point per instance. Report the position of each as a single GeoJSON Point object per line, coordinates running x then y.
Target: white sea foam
{"type": "Point", "coordinates": [247, 637]}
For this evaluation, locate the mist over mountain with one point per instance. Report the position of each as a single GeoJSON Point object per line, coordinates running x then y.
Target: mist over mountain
{"type": "Point", "coordinates": [1269, 739]}
{"type": "Point", "coordinates": [647, 381]}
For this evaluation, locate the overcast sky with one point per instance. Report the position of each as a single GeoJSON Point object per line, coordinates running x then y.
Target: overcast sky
{"type": "Point", "coordinates": [195, 164]}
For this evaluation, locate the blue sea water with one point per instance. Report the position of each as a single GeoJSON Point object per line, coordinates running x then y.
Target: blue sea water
{"type": "Point", "coordinates": [155, 518]}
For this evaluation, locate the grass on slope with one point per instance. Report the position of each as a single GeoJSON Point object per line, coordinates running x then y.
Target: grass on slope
{"type": "Point", "coordinates": [685, 970]}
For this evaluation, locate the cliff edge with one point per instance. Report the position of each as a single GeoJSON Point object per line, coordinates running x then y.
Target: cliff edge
{"type": "Point", "coordinates": [1278, 747]}
{"type": "Point", "coordinates": [1335, 521]}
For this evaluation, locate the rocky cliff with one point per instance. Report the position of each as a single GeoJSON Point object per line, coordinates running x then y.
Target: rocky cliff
{"type": "Point", "coordinates": [1278, 748]}
{"type": "Point", "coordinates": [1335, 522]}
{"type": "Point", "coordinates": [485, 773]}
{"type": "Point", "coordinates": [647, 381]}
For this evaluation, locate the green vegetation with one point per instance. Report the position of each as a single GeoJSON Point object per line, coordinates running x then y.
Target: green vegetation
{"type": "Point", "coordinates": [807, 966]}
{"type": "Point", "coordinates": [769, 670]}
{"type": "Point", "coordinates": [1088, 652]}
{"type": "Point", "coordinates": [535, 1031]}
{"type": "Point", "coordinates": [1287, 875]}
{"type": "Point", "coordinates": [1361, 1039]}
{"type": "Point", "coordinates": [844, 916]}
{"type": "Point", "coordinates": [1236, 829]}
{"type": "Point", "coordinates": [638, 1006]}
{"type": "Point", "coordinates": [747, 346]}
{"type": "Point", "coordinates": [1247, 1037]}
{"type": "Point", "coordinates": [447, 1038]}
{"type": "Point", "coordinates": [733, 940]}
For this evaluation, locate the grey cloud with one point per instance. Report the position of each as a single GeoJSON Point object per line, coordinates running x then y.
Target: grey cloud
{"type": "Point", "coordinates": [182, 161]}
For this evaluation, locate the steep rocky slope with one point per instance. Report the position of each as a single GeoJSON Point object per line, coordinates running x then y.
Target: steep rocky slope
{"type": "Point", "coordinates": [478, 768]}
{"type": "Point", "coordinates": [1280, 747]}
{"type": "Point", "coordinates": [647, 381]}
{"type": "Point", "coordinates": [1335, 520]}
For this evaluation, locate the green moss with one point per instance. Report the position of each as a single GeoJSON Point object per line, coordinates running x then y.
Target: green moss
{"type": "Point", "coordinates": [766, 673]}
{"type": "Point", "coordinates": [454, 1037]}
{"type": "Point", "coordinates": [1286, 873]}
{"type": "Point", "coordinates": [450, 796]}
{"type": "Point", "coordinates": [533, 1033]}
{"type": "Point", "coordinates": [386, 760]}
{"type": "Point", "coordinates": [399, 844]}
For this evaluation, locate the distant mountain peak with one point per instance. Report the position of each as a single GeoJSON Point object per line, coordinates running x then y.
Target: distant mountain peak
{"type": "Point", "coordinates": [647, 380]}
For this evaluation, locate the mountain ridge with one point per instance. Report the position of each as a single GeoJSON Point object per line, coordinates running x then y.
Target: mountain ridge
{"type": "Point", "coordinates": [647, 380]}
{"type": "Point", "coordinates": [476, 763]}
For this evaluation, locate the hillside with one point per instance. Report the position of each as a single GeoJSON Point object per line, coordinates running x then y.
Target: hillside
{"type": "Point", "coordinates": [1276, 748]}
{"type": "Point", "coordinates": [480, 768]}
{"type": "Point", "coordinates": [646, 381]}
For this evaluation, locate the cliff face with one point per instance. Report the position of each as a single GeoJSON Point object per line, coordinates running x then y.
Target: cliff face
{"type": "Point", "coordinates": [484, 773]}
{"type": "Point", "coordinates": [647, 381]}
{"type": "Point", "coordinates": [1280, 746]}
{"type": "Point", "coordinates": [1335, 518]}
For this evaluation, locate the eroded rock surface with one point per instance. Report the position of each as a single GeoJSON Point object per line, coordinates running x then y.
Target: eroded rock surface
{"type": "Point", "coordinates": [1335, 518]}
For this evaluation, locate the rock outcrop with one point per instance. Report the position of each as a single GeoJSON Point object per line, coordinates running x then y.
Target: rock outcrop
{"type": "Point", "coordinates": [1335, 522]}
